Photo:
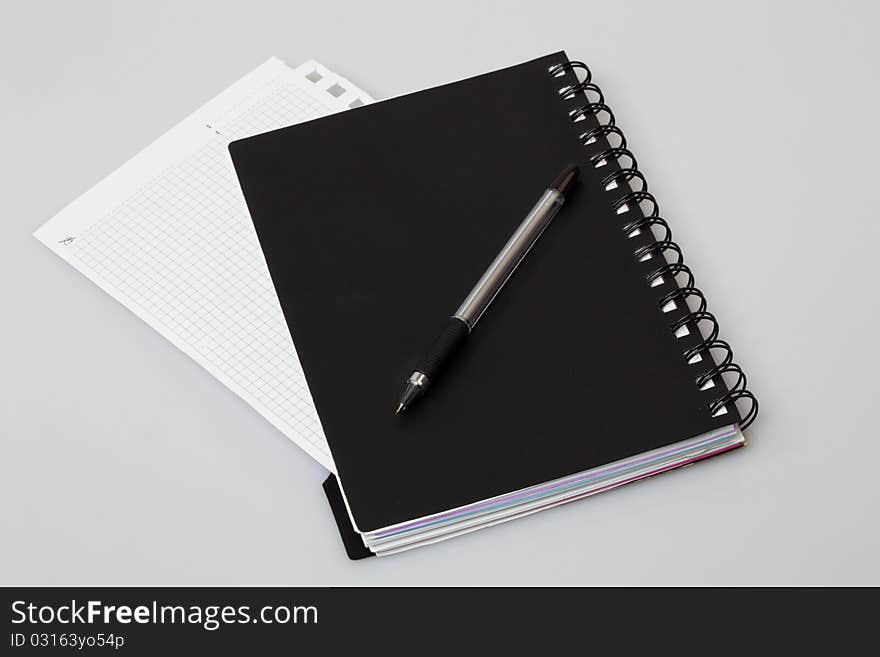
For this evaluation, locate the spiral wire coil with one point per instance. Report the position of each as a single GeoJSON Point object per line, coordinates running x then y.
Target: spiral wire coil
{"type": "Point", "coordinates": [606, 143]}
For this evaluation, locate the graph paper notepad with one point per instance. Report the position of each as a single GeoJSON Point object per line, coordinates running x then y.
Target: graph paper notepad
{"type": "Point", "coordinates": [168, 236]}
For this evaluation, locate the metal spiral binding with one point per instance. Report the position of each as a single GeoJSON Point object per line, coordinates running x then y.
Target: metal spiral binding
{"type": "Point", "coordinates": [607, 144]}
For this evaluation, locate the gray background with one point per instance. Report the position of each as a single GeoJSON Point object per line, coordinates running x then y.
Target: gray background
{"type": "Point", "coordinates": [756, 124]}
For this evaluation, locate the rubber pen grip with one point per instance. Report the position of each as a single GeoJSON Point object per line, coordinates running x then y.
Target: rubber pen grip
{"type": "Point", "coordinates": [446, 344]}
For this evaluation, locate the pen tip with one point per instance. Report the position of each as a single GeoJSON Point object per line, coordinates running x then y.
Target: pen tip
{"type": "Point", "coordinates": [399, 410]}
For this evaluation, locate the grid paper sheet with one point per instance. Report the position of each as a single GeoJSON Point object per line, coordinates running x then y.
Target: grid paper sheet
{"type": "Point", "coordinates": [169, 236]}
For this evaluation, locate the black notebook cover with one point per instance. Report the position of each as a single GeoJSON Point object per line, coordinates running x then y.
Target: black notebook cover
{"type": "Point", "coordinates": [351, 540]}
{"type": "Point", "coordinates": [376, 222]}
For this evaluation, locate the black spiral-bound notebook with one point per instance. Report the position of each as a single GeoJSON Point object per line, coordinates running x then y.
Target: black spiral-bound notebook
{"type": "Point", "coordinates": [598, 364]}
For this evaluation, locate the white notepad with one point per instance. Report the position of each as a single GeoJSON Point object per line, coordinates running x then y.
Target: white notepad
{"type": "Point", "coordinates": [168, 235]}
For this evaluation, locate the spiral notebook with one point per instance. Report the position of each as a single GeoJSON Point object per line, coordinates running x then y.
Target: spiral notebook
{"type": "Point", "coordinates": [598, 364]}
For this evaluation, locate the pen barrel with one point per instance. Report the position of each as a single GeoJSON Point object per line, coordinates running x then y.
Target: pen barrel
{"type": "Point", "coordinates": [443, 348]}
{"type": "Point", "coordinates": [507, 260]}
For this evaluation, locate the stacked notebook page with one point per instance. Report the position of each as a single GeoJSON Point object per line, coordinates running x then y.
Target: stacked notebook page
{"type": "Point", "coordinates": [167, 234]}
{"type": "Point", "coordinates": [478, 515]}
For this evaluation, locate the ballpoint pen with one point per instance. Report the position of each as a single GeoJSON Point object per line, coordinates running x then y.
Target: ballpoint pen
{"type": "Point", "coordinates": [463, 320]}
